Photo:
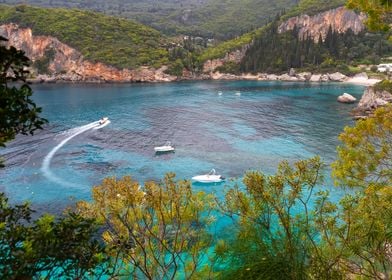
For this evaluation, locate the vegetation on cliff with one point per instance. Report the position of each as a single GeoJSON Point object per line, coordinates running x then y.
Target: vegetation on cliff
{"type": "Point", "coordinates": [221, 19]}
{"type": "Point", "coordinates": [303, 6]}
{"type": "Point", "coordinates": [278, 52]}
{"type": "Point", "coordinates": [312, 7]}
{"type": "Point", "coordinates": [113, 41]}
{"type": "Point", "coordinates": [384, 85]}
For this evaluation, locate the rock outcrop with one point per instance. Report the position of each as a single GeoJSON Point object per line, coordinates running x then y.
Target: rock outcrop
{"type": "Point", "coordinates": [340, 20]}
{"type": "Point", "coordinates": [370, 101]}
{"type": "Point", "coordinates": [346, 98]}
{"type": "Point", "coordinates": [234, 56]}
{"type": "Point", "coordinates": [64, 63]}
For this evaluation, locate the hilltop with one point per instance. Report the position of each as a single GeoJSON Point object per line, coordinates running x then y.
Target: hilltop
{"type": "Point", "coordinates": [219, 19]}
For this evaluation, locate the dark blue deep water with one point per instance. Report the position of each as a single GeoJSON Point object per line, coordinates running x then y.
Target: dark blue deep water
{"type": "Point", "coordinates": [230, 126]}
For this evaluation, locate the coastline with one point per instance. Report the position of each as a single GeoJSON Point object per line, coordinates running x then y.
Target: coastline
{"type": "Point", "coordinates": [359, 79]}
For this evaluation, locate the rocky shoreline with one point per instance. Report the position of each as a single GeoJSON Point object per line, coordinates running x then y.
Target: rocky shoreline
{"type": "Point", "coordinates": [147, 75]}
{"type": "Point", "coordinates": [371, 100]}
{"type": "Point", "coordinates": [361, 78]}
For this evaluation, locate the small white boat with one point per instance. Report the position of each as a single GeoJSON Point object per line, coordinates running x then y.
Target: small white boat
{"type": "Point", "coordinates": [103, 120]}
{"type": "Point", "coordinates": [165, 148]}
{"type": "Point", "coordinates": [102, 123]}
{"type": "Point", "coordinates": [211, 177]}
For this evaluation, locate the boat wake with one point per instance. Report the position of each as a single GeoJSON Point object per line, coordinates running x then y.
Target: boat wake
{"type": "Point", "coordinates": [45, 168]}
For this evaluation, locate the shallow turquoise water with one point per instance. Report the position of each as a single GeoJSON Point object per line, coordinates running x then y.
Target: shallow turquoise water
{"type": "Point", "coordinates": [264, 124]}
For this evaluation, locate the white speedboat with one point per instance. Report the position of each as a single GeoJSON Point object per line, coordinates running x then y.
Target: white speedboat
{"type": "Point", "coordinates": [165, 148]}
{"type": "Point", "coordinates": [102, 123]}
{"type": "Point", "coordinates": [103, 120]}
{"type": "Point", "coordinates": [211, 177]}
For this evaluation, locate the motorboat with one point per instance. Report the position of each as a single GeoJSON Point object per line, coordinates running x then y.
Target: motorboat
{"type": "Point", "coordinates": [103, 120]}
{"type": "Point", "coordinates": [211, 177]}
{"type": "Point", "coordinates": [102, 123]}
{"type": "Point", "coordinates": [165, 148]}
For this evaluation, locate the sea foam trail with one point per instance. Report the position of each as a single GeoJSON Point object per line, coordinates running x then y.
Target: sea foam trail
{"type": "Point", "coordinates": [45, 168]}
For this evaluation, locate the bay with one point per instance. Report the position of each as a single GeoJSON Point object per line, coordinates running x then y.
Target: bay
{"type": "Point", "coordinates": [232, 126]}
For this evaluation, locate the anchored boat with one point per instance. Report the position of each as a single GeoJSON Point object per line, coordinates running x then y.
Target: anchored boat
{"type": "Point", "coordinates": [211, 177]}
{"type": "Point", "coordinates": [165, 148]}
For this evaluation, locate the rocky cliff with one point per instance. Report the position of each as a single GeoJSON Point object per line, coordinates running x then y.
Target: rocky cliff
{"type": "Point", "coordinates": [60, 62]}
{"type": "Point", "coordinates": [340, 19]}
{"type": "Point", "coordinates": [234, 56]}
{"type": "Point", "coordinates": [370, 101]}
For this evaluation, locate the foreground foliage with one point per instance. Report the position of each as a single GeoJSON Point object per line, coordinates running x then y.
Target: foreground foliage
{"type": "Point", "coordinates": [379, 12]}
{"type": "Point", "coordinates": [365, 158]}
{"type": "Point", "coordinates": [48, 247]}
{"type": "Point", "coordinates": [18, 112]}
{"type": "Point", "coordinates": [158, 232]}
{"type": "Point", "coordinates": [274, 223]}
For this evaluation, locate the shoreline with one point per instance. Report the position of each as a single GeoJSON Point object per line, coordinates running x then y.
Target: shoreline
{"type": "Point", "coordinates": [359, 79]}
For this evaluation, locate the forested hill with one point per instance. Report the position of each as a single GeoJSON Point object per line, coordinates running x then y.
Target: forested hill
{"type": "Point", "coordinates": [309, 7]}
{"type": "Point", "coordinates": [111, 40]}
{"type": "Point", "coordinates": [221, 19]}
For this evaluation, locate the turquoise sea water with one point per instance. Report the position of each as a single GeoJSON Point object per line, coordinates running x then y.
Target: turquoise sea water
{"type": "Point", "coordinates": [249, 125]}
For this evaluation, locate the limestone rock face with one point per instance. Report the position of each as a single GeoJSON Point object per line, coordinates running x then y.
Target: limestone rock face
{"type": "Point", "coordinates": [234, 56]}
{"type": "Point", "coordinates": [346, 98]}
{"type": "Point", "coordinates": [305, 76]}
{"type": "Point", "coordinates": [324, 78]}
{"type": "Point", "coordinates": [373, 99]}
{"type": "Point", "coordinates": [340, 19]}
{"type": "Point", "coordinates": [67, 64]}
{"type": "Point", "coordinates": [315, 78]}
{"type": "Point", "coordinates": [288, 78]}
{"type": "Point", "coordinates": [362, 75]}
{"type": "Point", "coordinates": [370, 101]}
{"type": "Point", "coordinates": [337, 77]}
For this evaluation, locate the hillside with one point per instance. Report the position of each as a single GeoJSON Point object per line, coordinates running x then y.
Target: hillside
{"type": "Point", "coordinates": [221, 19]}
{"type": "Point", "coordinates": [310, 7]}
{"type": "Point", "coordinates": [99, 38]}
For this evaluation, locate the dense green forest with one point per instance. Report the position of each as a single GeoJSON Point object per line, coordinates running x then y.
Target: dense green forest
{"type": "Point", "coordinates": [114, 41]}
{"type": "Point", "coordinates": [273, 52]}
{"type": "Point", "coordinates": [312, 7]}
{"type": "Point", "coordinates": [301, 7]}
{"type": "Point", "coordinates": [221, 19]}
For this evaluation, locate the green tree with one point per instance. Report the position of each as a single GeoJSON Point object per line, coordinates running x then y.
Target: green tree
{"type": "Point", "coordinates": [48, 248]}
{"type": "Point", "coordinates": [18, 112]}
{"type": "Point", "coordinates": [378, 11]}
{"type": "Point", "coordinates": [365, 158]}
{"type": "Point", "coordinates": [360, 230]}
{"type": "Point", "coordinates": [276, 235]}
{"type": "Point", "coordinates": [359, 233]}
{"type": "Point", "coordinates": [159, 232]}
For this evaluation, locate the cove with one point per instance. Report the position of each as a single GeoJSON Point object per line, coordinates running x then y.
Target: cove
{"type": "Point", "coordinates": [232, 126]}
